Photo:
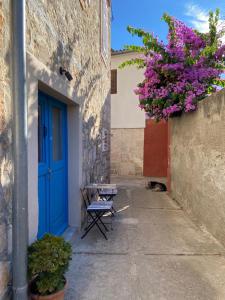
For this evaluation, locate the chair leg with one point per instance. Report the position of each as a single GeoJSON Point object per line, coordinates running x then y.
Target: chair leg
{"type": "Point", "coordinates": [98, 216]}
{"type": "Point", "coordinates": [88, 225]}
{"type": "Point", "coordinates": [106, 229]}
{"type": "Point", "coordinates": [102, 232]}
{"type": "Point", "coordinates": [111, 221]}
{"type": "Point", "coordinates": [94, 222]}
{"type": "Point", "coordinates": [113, 209]}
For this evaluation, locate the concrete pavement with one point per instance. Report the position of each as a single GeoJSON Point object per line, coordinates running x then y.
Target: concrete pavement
{"type": "Point", "coordinates": [154, 253]}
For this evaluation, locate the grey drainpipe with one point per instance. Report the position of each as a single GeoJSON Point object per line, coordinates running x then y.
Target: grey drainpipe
{"type": "Point", "coordinates": [20, 192]}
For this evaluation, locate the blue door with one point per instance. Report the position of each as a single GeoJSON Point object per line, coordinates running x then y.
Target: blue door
{"type": "Point", "coordinates": [52, 166]}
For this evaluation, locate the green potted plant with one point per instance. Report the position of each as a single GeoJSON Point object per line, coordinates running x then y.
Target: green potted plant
{"type": "Point", "coordinates": [48, 260]}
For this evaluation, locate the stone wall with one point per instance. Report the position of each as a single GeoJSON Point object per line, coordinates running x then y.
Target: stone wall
{"type": "Point", "coordinates": [127, 147]}
{"type": "Point", "coordinates": [198, 163]}
{"type": "Point", "coordinates": [62, 33]}
{"type": "Point", "coordinates": [59, 33]}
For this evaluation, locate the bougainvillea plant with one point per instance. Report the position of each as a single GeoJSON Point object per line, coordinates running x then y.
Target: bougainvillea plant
{"type": "Point", "coordinates": [181, 72]}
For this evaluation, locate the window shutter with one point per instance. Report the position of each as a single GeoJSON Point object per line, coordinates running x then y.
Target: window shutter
{"type": "Point", "coordinates": [114, 81]}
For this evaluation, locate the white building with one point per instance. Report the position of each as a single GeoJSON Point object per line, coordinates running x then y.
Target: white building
{"type": "Point", "coordinates": [127, 120]}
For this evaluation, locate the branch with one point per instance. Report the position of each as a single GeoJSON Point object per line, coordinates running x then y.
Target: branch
{"type": "Point", "coordinates": [149, 41]}
{"type": "Point", "coordinates": [135, 61]}
{"type": "Point", "coordinates": [135, 48]}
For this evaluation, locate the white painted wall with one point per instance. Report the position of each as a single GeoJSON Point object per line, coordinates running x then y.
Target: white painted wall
{"type": "Point", "coordinates": [125, 112]}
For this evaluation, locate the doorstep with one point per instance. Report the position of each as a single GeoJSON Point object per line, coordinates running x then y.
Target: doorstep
{"type": "Point", "coordinates": [71, 234]}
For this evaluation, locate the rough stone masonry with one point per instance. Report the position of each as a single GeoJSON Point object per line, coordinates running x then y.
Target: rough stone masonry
{"type": "Point", "coordinates": [58, 33]}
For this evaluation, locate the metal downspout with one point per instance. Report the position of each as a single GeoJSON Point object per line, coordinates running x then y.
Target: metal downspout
{"type": "Point", "coordinates": [20, 192]}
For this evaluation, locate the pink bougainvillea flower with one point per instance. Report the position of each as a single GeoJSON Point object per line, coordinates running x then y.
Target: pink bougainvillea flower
{"type": "Point", "coordinates": [182, 72]}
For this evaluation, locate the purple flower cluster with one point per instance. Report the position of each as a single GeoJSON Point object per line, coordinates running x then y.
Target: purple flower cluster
{"type": "Point", "coordinates": [220, 52]}
{"type": "Point", "coordinates": [171, 110]}
{"type": "Point", "coordinates": [180, 75]}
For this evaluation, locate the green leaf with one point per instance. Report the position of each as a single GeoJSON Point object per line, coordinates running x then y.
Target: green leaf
{"type": "Point", "coordinates": [213, 24]}
{"type": "Point", "coordinates": [135, 48]}
{"type": "Point", "coordinates": [219, 82]}
{"type": "Point", "coordinates": [149, 41]}
{"type": "Point", "coordinates": [140, 63]}
{"type": "Point", "coordinates": [168, 19]}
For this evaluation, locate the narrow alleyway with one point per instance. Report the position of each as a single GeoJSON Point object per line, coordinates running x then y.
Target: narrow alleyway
{"type": "Point", "coordinates": [154, 253]}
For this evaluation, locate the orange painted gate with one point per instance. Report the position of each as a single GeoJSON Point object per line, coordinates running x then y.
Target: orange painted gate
{"type": "Point", "coordinates": [156, 149]}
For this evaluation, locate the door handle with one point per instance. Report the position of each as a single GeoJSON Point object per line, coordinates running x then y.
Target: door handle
{"type": "Point", "coordinates": [49, 170]}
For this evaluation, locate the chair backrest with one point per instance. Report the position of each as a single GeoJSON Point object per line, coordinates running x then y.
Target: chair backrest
{"type": "Point", "coordinates": [85, 197]}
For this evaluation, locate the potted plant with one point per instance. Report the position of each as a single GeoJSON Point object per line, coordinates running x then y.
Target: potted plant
{"type": "Point", "coordinates": [48, 260]}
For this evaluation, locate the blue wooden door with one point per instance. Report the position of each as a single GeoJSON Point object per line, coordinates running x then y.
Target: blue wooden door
{"type": "Point", "coordinates": [52, 168]}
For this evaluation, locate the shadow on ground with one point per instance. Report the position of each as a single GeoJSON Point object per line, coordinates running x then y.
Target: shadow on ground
{"type": "Point", "coordinates": [154, 252]}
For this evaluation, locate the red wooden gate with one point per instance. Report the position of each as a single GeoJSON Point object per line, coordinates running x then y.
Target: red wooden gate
{"type": "Point", "coordinates": [156, 149]}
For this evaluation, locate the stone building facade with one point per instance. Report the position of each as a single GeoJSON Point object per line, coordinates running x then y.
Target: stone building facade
{"type": "Point", "coordinates": [127, 120]}
{"type": "Point", "coordinates": [74, 35]}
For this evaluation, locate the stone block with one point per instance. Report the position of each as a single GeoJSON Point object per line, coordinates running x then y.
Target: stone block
{"type": "Point", "coordinates": [4, 277]}
{"type": "Point", "coordinates": [127, 151]}
{"type": "Point", "coordinates": [3, 240]}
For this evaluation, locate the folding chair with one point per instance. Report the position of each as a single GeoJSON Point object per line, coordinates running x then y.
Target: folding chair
{"type": "Point", "coordinates": [95, 210]}
{"type": "Point", "coordinates": [108, 194]}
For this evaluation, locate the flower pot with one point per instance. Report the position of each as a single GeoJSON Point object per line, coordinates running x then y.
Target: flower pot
{"type": "Point", "coordinates": [56, 296]}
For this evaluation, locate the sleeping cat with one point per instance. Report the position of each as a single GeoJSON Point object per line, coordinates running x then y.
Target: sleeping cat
{"type": "Point", "coordinates": [157, 186]}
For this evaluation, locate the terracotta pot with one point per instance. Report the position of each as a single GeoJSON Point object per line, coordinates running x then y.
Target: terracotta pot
{"type": "Point", "coordinates": [56, 296]}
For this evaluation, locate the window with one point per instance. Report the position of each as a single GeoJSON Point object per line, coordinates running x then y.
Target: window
{"type": "Point", "coordinates": [113, 81]}
{"type": "Point", "coordinates": [40, 134]}
{"type": "Point", "coordinates": [104, 29]}
{"type": "Point", "coordinates": [57, 133]}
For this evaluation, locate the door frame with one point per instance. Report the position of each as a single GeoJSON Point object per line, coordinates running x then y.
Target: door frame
{"type": "Point", "coordinates": [40, 78]}
{"type": "Point", "coordinates": [48, 102]}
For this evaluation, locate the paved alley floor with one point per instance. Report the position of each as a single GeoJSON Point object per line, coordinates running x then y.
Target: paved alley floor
{"type": "Point", "coordinates": [154, 253]}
